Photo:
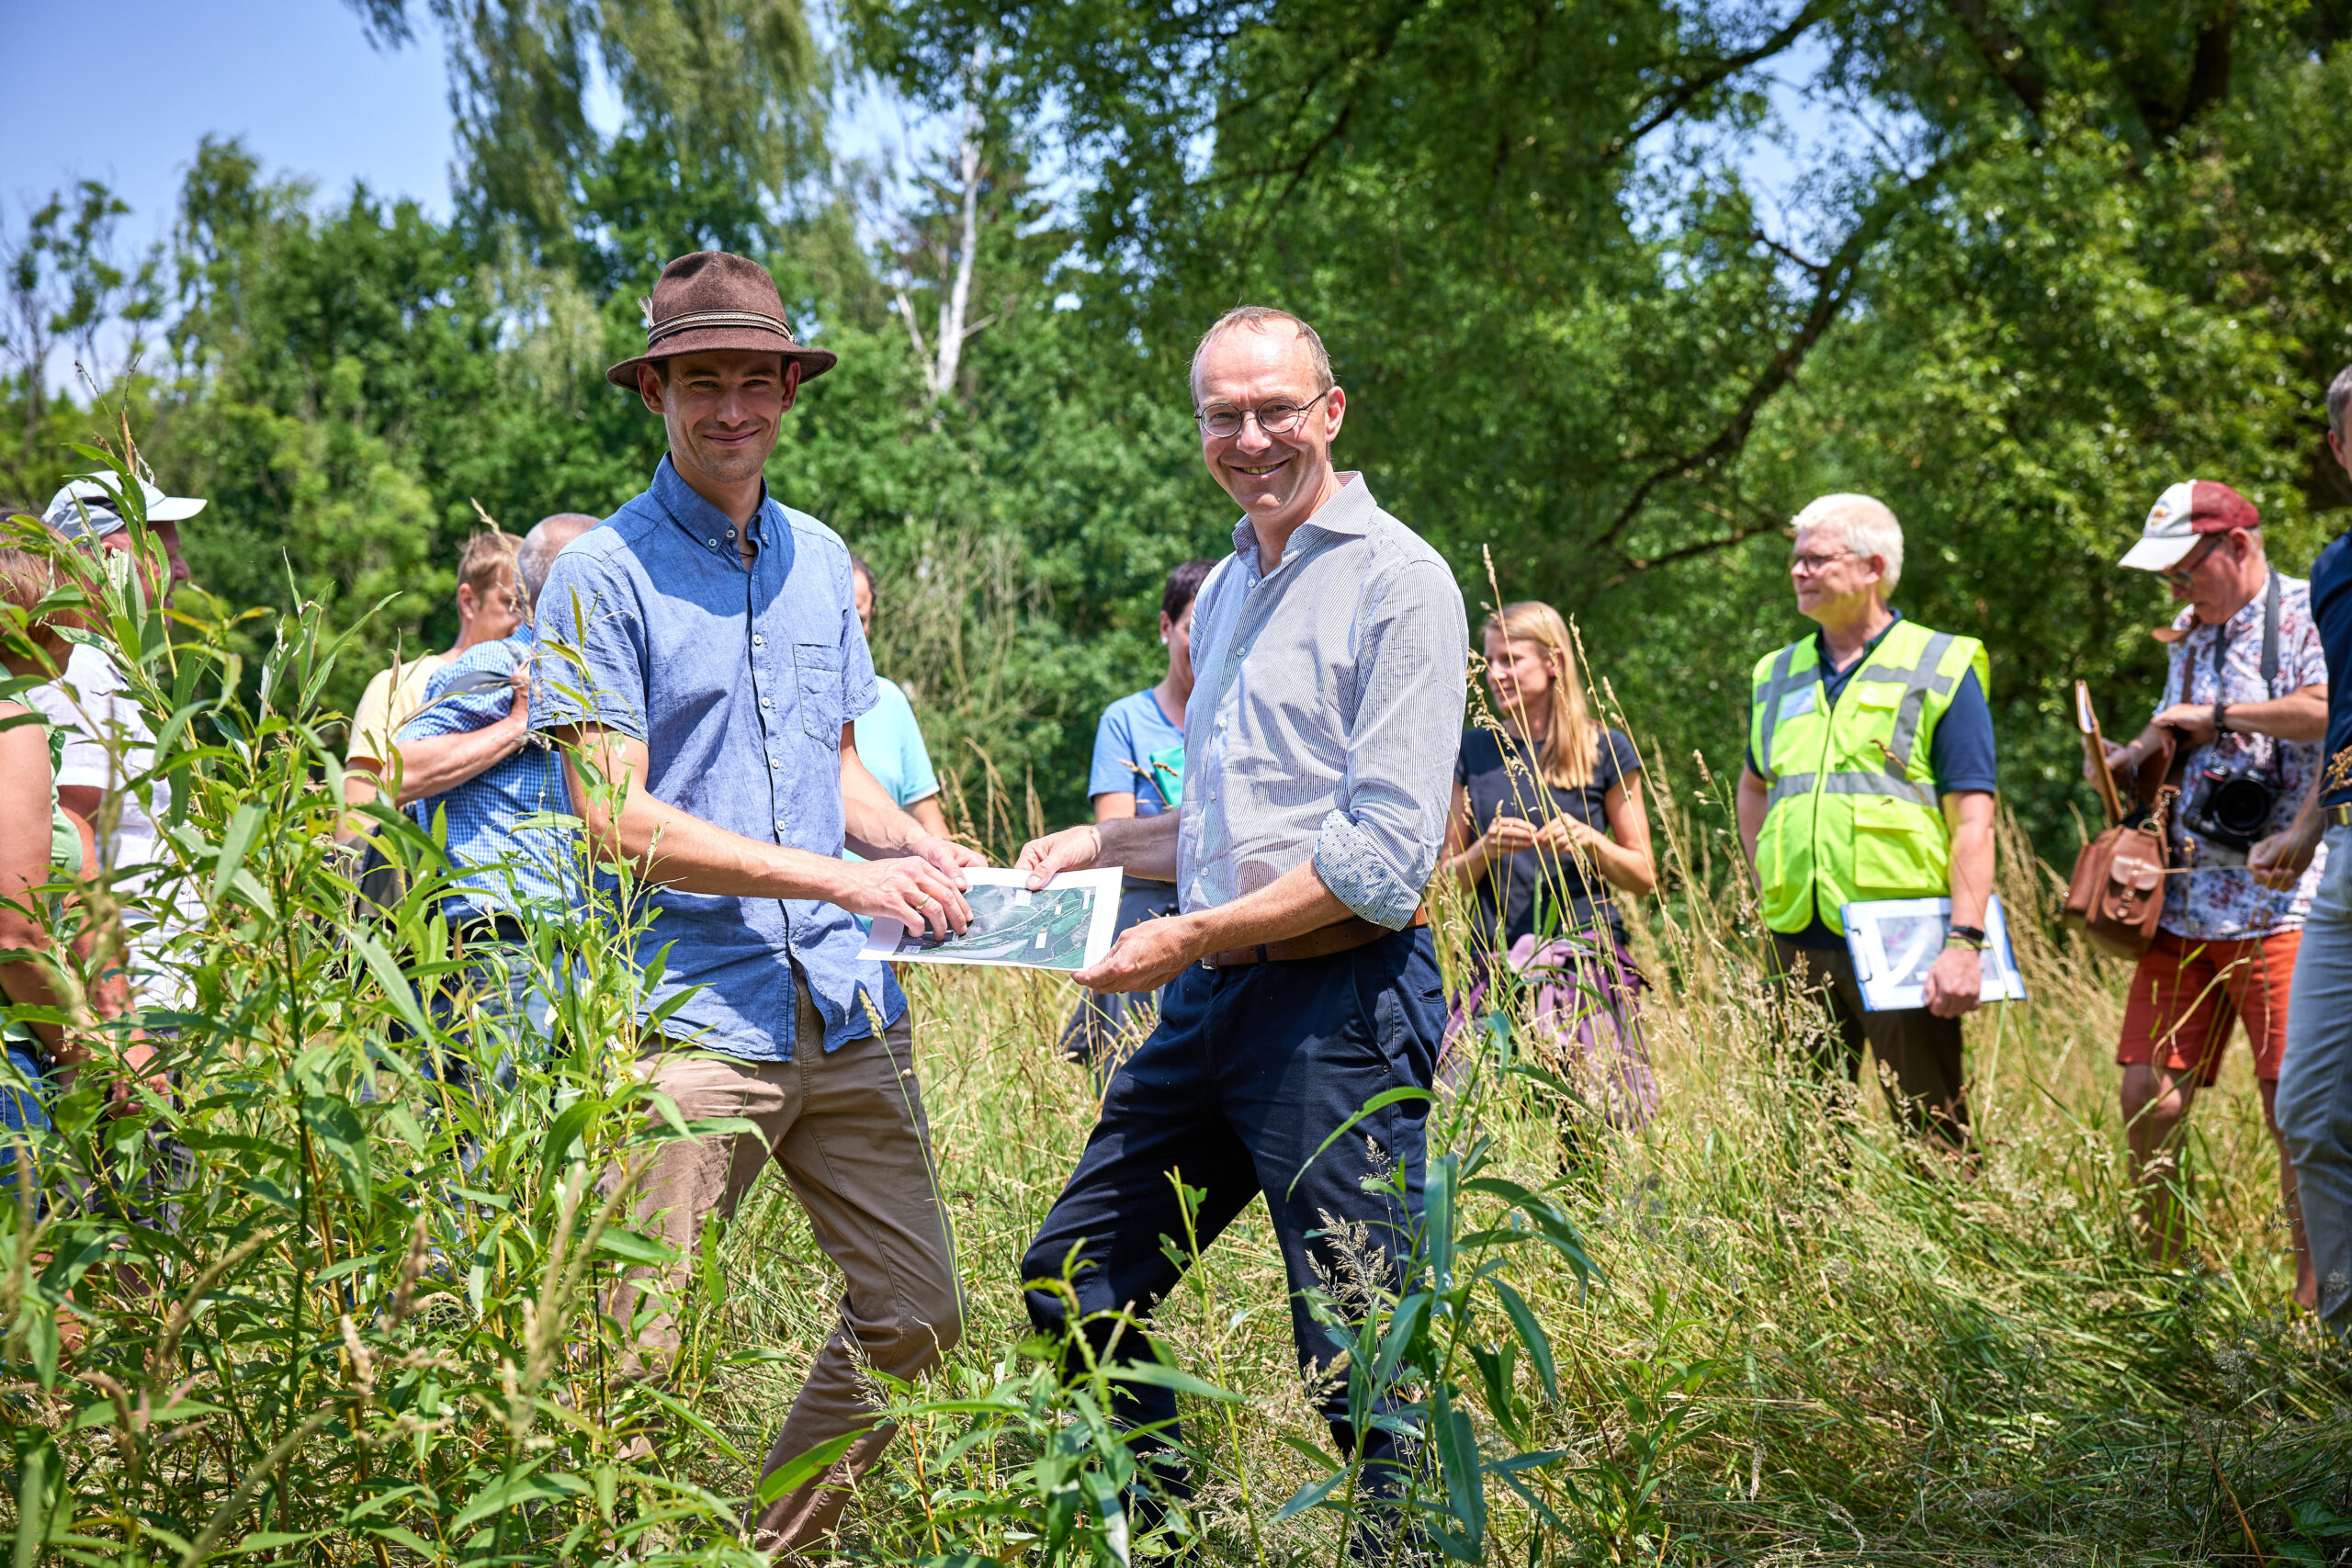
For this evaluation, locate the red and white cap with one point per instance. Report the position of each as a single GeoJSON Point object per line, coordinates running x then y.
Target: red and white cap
{"type": "Point", "coordinates": [2182, 516]}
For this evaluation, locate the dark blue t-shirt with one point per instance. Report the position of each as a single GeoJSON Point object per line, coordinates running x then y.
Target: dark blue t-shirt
{"type": "Point", "coordinates": [1959, 752]}
{"type": "Point", "coordinates": [2331, 609]}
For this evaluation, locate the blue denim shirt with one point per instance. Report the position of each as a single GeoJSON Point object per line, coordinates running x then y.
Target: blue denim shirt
{"type": "Point", "coordinates": [518, 867]}
{"type": "Point", "coordinates": [739, 683]}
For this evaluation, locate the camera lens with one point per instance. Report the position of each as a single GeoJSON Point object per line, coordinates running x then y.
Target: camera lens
{"type": "Point", "coordinates": [2241, 805]}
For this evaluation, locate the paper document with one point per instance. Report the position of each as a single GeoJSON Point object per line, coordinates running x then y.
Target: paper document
{"type": "Point", "coordinates": [1066, 925]}
{"type": "Point", "coordinates": [1894, 943]}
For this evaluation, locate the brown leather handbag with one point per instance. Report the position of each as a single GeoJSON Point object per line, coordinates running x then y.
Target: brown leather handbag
{"type": "Point", "coordinates": [2117, 893]}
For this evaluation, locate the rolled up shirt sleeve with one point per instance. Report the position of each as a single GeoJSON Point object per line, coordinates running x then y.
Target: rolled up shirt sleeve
{"type": "Point", "coordinates": [1377, 849]}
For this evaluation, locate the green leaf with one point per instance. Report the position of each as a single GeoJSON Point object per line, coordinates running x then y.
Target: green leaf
{"type": "Point", "coordinates": [32, 1501]}
{"type": "Point", "coordinates": [335, 1127]}
{"type": "Point", "coordinates": [397, 990]}
{"type": "Point", "coordinates": [790, 1478]}
{"type": "Point", "coordinates": [1531, 1335]}
{"type": "Point", "coordinates": [1380, 1102]}
{"type": "Point", "coordinates": [1167, 1377]}
{"type": "Point", "coordinates": [1310, 1495]}
{"type": "Point", "coordinates": [634, 1247]}
{"type": "Point", "coordinates": [1457, 1457]}
{"type": "Point", "coordinates": [243, 824]}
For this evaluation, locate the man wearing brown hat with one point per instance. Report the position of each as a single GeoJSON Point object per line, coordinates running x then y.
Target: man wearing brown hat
{"type": "Point", "coordinates": [2246, 699]}
{"type": "Point", "coordinates": [702, 651]}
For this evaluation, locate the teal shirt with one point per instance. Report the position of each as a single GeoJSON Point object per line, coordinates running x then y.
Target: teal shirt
{"type": "Point", "coordinates": [891, 747]}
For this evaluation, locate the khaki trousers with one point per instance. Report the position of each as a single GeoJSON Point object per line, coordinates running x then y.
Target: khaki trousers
{"type": "Point", "coordinates": [1921, 1051]}
{"type": "Point", "coordinates": [847, 1130]}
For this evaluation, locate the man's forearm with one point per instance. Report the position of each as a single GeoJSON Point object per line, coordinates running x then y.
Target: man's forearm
{"type": "Point", "coordinates": [435, 764]}
{"type": "Point", "coordinates": [1140, 846]}
{"type": "Point", "coordinates": [1749, 805]}
{"type": "Point", "coordinates": [1292, 905]}
{"type": "Point", "coordinates": [2298, 715]}
{"type": "Point", "coordinates": [872, 822]}
{"type": "Point", "coordinates": [677, 849]}
{"type": "Point", "coordinates": [1972, 857]}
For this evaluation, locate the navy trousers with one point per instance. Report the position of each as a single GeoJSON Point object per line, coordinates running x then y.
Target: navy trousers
{"type": "Point", "coordinates": [1250, 1070]}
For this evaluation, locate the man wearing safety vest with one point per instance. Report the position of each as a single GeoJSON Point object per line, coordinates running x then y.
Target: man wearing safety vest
{"type": "Point", "coordinates": [1870, 775]}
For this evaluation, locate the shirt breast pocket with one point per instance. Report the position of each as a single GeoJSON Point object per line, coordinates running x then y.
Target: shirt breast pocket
{"type": "Point", "coordinates": [818, 665]}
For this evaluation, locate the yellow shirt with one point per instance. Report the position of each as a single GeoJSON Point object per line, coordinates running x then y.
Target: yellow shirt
{"type": "Point", "coordinates": [392, 698]}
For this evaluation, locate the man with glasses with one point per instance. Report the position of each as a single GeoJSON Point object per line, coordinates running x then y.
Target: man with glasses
{"type": "Point", "coordinates": [1328, 654]}
{"type": "Point", "coordinates": [1869, 776]}
{"type": "Point", "coordinates": [2246, 699]}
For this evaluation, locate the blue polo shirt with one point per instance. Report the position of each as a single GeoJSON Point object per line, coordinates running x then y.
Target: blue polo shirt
{"type": "Point", "coordinates": [739, 683]}
{"type": "Point", "coordinates": [2331, 590]}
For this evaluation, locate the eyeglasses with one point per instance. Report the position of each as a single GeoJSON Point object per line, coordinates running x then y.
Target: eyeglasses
{"type": "Point", "coordinates": [1806, 565]}
{"type": "Point", "coordinates": [1277, 418]}
{"type": "Point", "coordinates": [2179, 576]}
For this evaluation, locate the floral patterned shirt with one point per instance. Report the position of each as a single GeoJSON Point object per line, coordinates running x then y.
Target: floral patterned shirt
{"type": "Point", "coordinates": [2226, 903]}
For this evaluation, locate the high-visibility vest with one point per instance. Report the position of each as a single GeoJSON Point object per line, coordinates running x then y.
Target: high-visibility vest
{"type": "Point", "coordinates": [1854, 811]}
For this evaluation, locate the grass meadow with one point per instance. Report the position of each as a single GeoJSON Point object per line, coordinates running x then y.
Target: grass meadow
{"type": "Point", "coordinates": [1802, 1343]}
{"type": "Point", "coordinates": [305, 1306]}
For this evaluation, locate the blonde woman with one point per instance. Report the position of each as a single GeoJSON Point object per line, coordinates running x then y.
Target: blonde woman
{"type": "Point", "coordinates": [1547, 818]}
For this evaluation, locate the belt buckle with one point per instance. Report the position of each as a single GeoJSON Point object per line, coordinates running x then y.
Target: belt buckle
{"type": "Point", "coordinates": [2337, 816]}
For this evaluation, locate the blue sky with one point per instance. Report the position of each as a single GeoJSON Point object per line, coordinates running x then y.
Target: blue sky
{"type": "Point", "coordinates": [126, 88]}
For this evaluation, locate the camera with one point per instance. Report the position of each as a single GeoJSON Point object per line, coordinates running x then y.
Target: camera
{"type": "Point", "coordinates": [2230, 805]}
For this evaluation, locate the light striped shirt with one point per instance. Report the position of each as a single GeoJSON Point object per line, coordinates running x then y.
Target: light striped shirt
{"type": "Point", "coordinates": [1325, 714]}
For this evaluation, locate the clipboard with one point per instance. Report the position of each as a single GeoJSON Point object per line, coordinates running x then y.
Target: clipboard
{"type": "Point", "coordinates": [2095, 753]}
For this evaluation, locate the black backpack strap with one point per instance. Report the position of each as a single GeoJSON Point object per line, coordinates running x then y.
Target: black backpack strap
{"type": "Point", "coordinates": [2271, 637]}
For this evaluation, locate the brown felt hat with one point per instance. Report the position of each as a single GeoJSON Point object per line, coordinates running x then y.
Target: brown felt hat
{"type": "Point", "coordinates": [711, 301]}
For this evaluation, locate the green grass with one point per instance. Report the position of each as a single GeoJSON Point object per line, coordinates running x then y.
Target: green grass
{"type": "Point", "coordinates": [1827, 1348]}
{"type": "Point", "coordinates": [1766, 1329]}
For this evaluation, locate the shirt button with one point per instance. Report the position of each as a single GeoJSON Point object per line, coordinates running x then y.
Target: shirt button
{"type": "Point", "coordinates": [758, 641]}
{"type": "Point", "coordinates": [763, 702]}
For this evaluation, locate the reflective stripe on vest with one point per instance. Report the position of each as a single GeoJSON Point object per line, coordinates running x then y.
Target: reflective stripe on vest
{"type": "Point", "coordinates": [1853, 810]}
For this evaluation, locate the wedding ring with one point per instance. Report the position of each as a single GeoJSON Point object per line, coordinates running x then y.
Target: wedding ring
{"type": "Point", "coordinates": [922, 900]}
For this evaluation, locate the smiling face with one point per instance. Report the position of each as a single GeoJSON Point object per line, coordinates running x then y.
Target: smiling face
{"type": "Point", "coordinates": [1279, 480]}
{"type": "Point", "coordinates": [723, 411]}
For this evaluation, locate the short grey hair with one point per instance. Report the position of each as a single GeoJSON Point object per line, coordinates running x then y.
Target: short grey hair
{"type": "Point", "coordinates": [1864, 525]}
{"type": "Point", "coordinates": [536, 555]}
{"type": "Point", "coordinates": [1255, 318]}
{"type": "Point", "coordinates": [2339, 392]}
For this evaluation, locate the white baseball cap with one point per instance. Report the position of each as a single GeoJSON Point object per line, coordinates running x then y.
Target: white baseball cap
{"type": "Point", "coordinates": [89, 507]}
{"type": "Point", "coordinates": [2182, 517]}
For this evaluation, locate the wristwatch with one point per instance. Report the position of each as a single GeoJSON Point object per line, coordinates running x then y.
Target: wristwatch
{"type": "Point", "coordinates": [1969, 937]}
{"type": "Point", "coordinates": [2218, 709]}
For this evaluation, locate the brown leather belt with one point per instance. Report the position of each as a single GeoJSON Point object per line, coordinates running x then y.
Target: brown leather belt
{"type": "Point", "coordinates": [2337, 816]}
{"type": "Point", "coordinates": [1321, 942]}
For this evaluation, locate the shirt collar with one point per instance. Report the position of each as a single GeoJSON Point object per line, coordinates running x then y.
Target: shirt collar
{"type": "Point", "coordinates": [702, 522]}
{"type": "Point", "coordinates": [1348, 512]}
{"type": "Point", "coordinates": [1821, 647]}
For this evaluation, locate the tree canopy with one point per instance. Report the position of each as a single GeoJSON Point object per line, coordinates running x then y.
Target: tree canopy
{"type": "Point", "coordinates": [1615, 286]}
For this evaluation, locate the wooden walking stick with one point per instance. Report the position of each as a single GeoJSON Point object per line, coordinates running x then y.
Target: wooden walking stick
{"type": "Point", "coordinates": [2094, 749]}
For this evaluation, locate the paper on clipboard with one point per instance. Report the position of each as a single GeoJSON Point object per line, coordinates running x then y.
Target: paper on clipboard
{"type": "Point", "coordinates": [1895, 941]}
{"type": "Point", "coordinates": [1065, 926]}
